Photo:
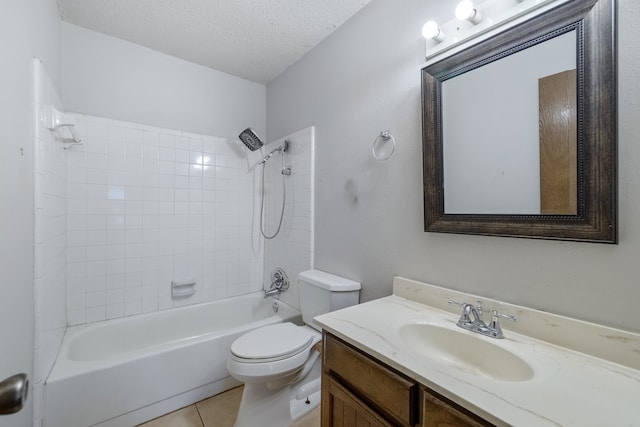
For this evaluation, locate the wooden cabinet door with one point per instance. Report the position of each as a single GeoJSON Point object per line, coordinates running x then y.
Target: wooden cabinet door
{"type": "Point", "coordinates": [340, 408]}
{"type": "Point", "coordinates": [390, 394]}
{"type": "Point", "coordinates": [437, 411]}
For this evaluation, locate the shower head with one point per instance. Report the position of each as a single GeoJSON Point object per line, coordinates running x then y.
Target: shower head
{"type": "Point", "coordinates": [250, 139]}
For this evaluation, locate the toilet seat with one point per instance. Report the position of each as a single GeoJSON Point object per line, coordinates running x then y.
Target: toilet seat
{"type": "Point", "coordinates": [288, 350]}
{"type": "Point", "coordinates": [272, 343]}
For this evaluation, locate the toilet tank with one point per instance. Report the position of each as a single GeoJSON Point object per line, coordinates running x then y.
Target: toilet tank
{"type": "Point", "coordinates": [322, 292]}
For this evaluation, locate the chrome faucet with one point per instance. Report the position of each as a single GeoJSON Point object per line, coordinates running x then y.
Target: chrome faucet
{"type": "Point", "coordinates": [472, 320]}
{"type": "Point", "coordinates": [279, 283]}
{"type": "Point", "coordinates": [273, 291]}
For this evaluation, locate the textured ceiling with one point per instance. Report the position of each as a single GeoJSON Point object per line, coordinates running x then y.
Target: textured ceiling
{"type": "Point", "coordinates": [253, 39]}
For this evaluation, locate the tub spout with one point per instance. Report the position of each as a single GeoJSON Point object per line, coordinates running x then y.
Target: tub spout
{"type": "Point", "coordinates": [272, 292]}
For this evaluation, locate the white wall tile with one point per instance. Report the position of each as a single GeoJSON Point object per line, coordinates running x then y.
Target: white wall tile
{"type": "Point", "coordinates": [114, 311]}
{"type": "Point", "coordinates": [292, 249]}
{"type": "Point", "coordinates": [138, 208]}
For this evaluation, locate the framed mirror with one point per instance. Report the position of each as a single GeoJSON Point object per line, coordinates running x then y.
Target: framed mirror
{"type": "Point", "coordinates": [520, 130]}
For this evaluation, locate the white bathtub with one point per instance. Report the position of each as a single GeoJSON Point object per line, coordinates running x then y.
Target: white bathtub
{"type": "Point", "coordinates": [125, 371]}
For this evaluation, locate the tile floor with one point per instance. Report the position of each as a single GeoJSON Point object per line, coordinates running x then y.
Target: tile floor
{"type": "Point", "coordinates": [218, 411]}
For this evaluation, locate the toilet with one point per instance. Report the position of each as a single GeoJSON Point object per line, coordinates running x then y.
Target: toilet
{"type": "Point", "coordinates": [280, 371]}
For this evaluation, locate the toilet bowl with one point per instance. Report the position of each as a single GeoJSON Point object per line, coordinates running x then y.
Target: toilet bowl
{"type": "Point", "coordinates": [269, 360]}
{"type": "Point", "coordinates": [277, 363]}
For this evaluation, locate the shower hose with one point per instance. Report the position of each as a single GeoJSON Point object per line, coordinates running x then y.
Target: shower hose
{"type": "Point", "coordinates": [284, 195]}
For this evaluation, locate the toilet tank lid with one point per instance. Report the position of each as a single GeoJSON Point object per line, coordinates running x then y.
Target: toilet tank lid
{"type": "Point", "coordinates": [329, 281]}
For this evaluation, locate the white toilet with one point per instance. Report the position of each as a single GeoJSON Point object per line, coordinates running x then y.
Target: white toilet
{"type": "Point", "coordinates": [281, 373]}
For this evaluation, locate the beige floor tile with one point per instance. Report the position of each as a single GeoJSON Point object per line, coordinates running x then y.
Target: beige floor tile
{"type": "Point", "coordinates": [185, 417]}
{"type": "Point", "coordinates": [220, 410]}
{"type": "Point", "coordinates": [312, 419]}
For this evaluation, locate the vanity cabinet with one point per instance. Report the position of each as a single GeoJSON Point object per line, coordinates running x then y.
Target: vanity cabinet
{"type": "Point", "coordinates": [358, 390]}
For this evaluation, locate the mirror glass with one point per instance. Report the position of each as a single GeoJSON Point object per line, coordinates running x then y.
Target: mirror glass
{"type": "Point", "coordinates": [494, 132]}
{"type": "Point", "coordinates": [520, 130]}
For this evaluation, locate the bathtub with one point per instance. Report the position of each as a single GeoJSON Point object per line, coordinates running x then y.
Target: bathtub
{"type": "Point", "coordinates": [126, 371]}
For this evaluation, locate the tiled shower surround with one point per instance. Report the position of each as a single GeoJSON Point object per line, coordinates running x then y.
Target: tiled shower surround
{"type": "Point", "coordinates": [146, 206]}
{"type": "Point", "coordinates": [292, 248]}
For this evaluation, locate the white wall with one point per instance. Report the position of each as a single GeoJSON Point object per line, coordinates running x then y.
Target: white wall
{"type": "Point", "coordinates": [107, 77]}
{"type": "Point", "coordinates": [50, 238]}
{"type": "Point", "coordinates": [28, 28]}
{"type": "Point", "coordinates": [141, 112]}
{"type": "Point", "coordinates": [369, 215]}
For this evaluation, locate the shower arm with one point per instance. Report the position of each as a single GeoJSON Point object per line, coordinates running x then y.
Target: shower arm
{"type": "Point", "coordinates": [281, 149]}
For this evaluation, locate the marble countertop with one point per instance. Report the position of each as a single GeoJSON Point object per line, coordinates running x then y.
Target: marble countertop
{"type": "Point", "coordinates": [584, 374]}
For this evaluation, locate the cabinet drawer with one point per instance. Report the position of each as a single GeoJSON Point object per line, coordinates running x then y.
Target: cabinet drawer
{"type": "Point", "coordinates": [388, 392]}
{"type": "Point", "coordinates": [438, 411]}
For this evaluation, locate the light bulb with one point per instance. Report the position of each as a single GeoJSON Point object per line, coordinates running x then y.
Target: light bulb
{"type": "Point", "coordinates": [430, 30]}
{"type": "Point", "coordinates": [466, 12]}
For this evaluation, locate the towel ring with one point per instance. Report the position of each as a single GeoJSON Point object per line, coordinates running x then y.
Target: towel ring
{"type": "Point", "coordinates": [381, 148]}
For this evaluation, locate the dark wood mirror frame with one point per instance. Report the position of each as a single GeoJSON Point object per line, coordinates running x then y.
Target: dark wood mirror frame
{"type": "Point", "coordinates": [596, 221]}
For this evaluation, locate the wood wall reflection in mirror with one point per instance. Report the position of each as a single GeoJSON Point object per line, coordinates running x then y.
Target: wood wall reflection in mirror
{"type": "Point", "coordinates": [575, 158]}
{"type": "Point", "coordinates": [558, 137]}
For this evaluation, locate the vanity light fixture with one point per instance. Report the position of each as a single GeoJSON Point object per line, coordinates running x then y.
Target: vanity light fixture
{"type": "Point", "coordinates": [465, 11]}
{"type": "Point", "coordinates": [469, 26]}
{"type": "Point", "coordinates": [430, 30]}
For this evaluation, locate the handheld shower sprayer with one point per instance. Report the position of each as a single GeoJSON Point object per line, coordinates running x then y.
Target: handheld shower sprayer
{"type": "Point", "coordinates": [253, 142]}
{"type": "Point", "coordinates": [267, 157]}
{"type": "Point", "coordinates": [281, 149]}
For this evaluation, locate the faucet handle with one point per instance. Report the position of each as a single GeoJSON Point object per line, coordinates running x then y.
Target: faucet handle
{"type": "Point", "coordinates": [459, 304]}
{"type": "Point", "coordinates": [494, 326]}
{"type": "Point", "coordinates": [479, 309]}
{"type": "Point", "coordinates": [495, 315]}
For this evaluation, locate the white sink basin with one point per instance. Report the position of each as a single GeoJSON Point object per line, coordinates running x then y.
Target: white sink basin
{"type": "Point", "coordinates": [464, 351]}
